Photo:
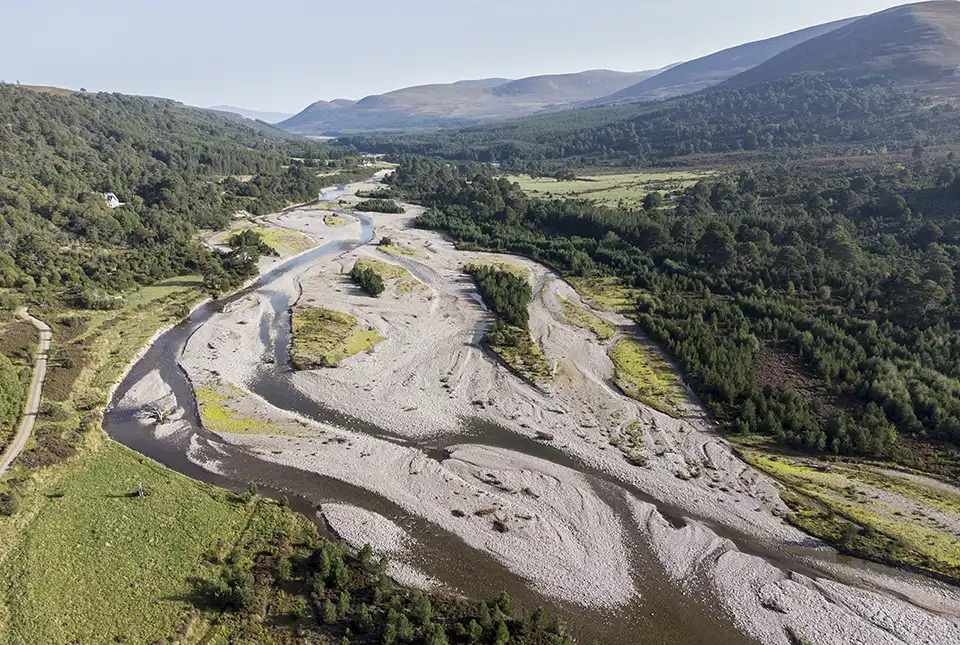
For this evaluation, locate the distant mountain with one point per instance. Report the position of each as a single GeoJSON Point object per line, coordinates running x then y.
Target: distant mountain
{"type": "Point", "coordinates": [459, 104]}
{"type": "Point", "coordinates": [917, 46]}
{"type": "Point", "coordinates": [856, 88]}
{"type": "Point", "coordinates": [256, 115]}
{"type": "Point", "coordinates": [566, 88]}
{"type": "Point", "coordinates": [699, 74]}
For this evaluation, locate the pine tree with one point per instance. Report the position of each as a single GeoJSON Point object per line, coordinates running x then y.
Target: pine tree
{"type": "Point", "coordinates": [329, 612]}
{"type": "Point", "coordinates": [389, 634]}
{"type": "Point", "coordinates": [404, 628]}
{"type": "Point", "coordinates": [484, 617]}
{"type": "Point", "coordinates": [420, 607]}
{"type": "Point", "coordinates": [343, 604]}
{"type": "Point", "coordinates": [501, 633]}
{"type": "Point", "coordinates": [366, 557]}
{"type": "Point", "coordinates": [364, 620]}
{"type": "Point", "coordinates": [475, 632]}
{"type": "Point", "coordinates": [435, 635]}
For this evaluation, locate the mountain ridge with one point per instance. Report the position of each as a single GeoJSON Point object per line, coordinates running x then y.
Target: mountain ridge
{"type": "Point", "coordinates": [707, 71]}
{"type": "Point", "coordinates": [916, 46]}
{"type": "Point", "coordinates": [460, 103]}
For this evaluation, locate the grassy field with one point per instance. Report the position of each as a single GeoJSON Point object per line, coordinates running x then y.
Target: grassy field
{"type": "Point", "coordinates": [83, 560]}
{"type": "Point", "coordinates": [607, 293]}
{"type": "Point", "coordinates": [99, 344]}
{"type": "Point", "coordinates": [222, 408]}
{"type": "Point", "coordinates": [587, 320]}
{"type": "Point", "coordinates": [332, 219]}
{"type": "Point", "coordinates": [868, 511]}
{"type": "Point", "coordinates": [404, 280]}
{"type": "Point", "coordinates": [625, 190]}
{"type": "Point", "coordinates": [110, 338]}
{"type": "Point", "coordinates": [323, 338]}
{"type": "Point", "coordinates": [96, 563]}
{"type": "Point", "coordinates": [401, 250]}
{"type": "Point", "coordinates": [645, 376]}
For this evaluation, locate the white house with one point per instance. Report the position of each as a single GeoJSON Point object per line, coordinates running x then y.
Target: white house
{"type": "Point", "coordinates": [112, 200]}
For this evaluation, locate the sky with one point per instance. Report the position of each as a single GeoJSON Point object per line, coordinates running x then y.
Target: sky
{"type": "Point", "coordinates": [282, 55]}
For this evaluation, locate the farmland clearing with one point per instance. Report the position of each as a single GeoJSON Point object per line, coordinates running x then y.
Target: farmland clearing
{"type": "Point", "coordinates": [623, 189]}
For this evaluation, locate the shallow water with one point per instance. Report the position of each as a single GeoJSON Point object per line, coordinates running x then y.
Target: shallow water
{"type": "Point", "coordinates": [664, 614]}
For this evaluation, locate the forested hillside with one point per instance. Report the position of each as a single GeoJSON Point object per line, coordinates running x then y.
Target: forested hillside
{"type": "Point", "coordinates": [807, 112]}
{"type": "Point", "coordinates": [842, 279]}
{"type": "Point", "coordinates": [176, 170]}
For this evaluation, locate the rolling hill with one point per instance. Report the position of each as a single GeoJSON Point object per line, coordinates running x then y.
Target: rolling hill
{"type": "Point", "coordinates": [459, 104]}
{"type": "Point", "coordinates": [917, 46]}
{"type": "Point", "coordinates": [699, 74]}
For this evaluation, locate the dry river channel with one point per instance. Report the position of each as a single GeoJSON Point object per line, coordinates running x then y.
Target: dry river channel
{"type": "Point", "coordinates": [660, 608]}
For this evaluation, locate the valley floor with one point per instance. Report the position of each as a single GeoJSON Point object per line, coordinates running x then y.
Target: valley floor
{"type": "Point", "coordinates": [592, 499]}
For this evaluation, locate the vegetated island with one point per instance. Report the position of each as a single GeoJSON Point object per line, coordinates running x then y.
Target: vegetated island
{"type": "Point", "coordinates": [324, 337]}
{"type": "Point", "coordinates": [379, 206]}
{"type": "Point", "coordinates": [507, 294]}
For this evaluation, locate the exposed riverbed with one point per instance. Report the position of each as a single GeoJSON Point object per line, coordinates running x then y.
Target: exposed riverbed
{"type": "Point", "coordinates": [689, 549]}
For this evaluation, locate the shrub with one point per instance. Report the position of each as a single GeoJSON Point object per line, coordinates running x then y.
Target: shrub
{"type": "Point", "coordinates": [285, 569]}
{"type": "Point", "coordinates": [380, 193]}
{"type": "Point", "coordinates": [9, 503]}
{"type": "Point", "coordinates": [299, 609]}
{"type": "Point", "coordinates": [653, 201]}
{"type": "Point", "coordinates": [233, 591]}
{"type": "Point", "coordinates": [319, 586]}
{"type": "Point", "coordinates": [368, 279]}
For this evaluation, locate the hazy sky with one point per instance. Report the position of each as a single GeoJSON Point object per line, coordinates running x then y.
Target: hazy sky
{"type": "Point", "coordinates": [284, 54]}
